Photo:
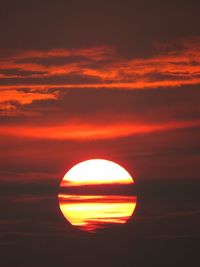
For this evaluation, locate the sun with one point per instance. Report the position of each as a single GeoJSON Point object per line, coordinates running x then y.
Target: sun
{"type": "Point", "coordinates": [102, 206]}
{"type": "Point", "coordinates": [96, 171]}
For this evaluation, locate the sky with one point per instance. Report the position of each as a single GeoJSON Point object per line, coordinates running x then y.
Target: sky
{"type": "Point", "coordinates": [117, 80]}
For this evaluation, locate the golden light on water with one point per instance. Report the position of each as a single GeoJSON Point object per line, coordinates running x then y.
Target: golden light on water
{"type": "Point", "coordinates": [91, 212]}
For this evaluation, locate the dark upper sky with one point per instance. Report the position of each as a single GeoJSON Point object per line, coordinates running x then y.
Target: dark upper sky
{"type": "Point", "coordinates": [133, 26]}
{"type": "Point", "coordinates": [100, 79]}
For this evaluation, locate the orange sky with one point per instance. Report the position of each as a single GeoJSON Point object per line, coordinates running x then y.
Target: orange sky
{"type": "Point", "coordinates": [38, 71]}
{"type": "Point", "coordinates": [115, 80]}
{"type": "Point", "coordinates": [93, 130]}
{"type": "Point", "coordinates": [83, 96]}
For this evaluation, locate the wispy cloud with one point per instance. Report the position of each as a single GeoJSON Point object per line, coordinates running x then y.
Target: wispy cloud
{"type": "Point", "coordinates": [109, 68]}
{"type": "Point", "coordinates": [32, 75]}
{"type": "Point", "coordinates": [92, 131]}
{"type": "Point", "coordinates": [11, 99]}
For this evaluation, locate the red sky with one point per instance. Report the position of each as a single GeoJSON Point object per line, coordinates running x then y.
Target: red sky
{"type": "Point", "coordinates": [95, 95]}
{"type": "Point", "coordinates": [117, 80]}
{"type": "Point", "coordinates": [98, 94]}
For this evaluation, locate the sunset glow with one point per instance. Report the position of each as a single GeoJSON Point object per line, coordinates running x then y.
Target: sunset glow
{"type": "Point", "coordinates": [94, 212]}
{"type": "Point", "coordinates": [99, 133]}
{"type": "Point", "coordinates": [96, 171]}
